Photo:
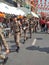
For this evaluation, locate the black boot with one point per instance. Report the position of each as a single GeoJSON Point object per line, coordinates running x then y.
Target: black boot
{"type": "Point", "coordinates": [30, 37]}
{"type": "Point", "coordinates": [17, 50]}
{"type": "Point", "coordinates": [24, 41]}
{"type": "Point", "coordinates": [5, 60]}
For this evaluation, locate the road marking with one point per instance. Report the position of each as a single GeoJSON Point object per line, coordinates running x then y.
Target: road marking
{"type": "Point", "coordinates": [34, 42]}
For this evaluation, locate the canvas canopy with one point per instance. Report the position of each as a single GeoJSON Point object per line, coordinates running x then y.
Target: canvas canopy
{"type": "Point", "coordinates": [10, 10]}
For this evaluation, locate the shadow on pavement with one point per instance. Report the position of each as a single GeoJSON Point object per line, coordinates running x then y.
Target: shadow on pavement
{"type": "Point", "coordinates": [13, 48]}
{"type": "Point", "coordinates": [41, 32]}
{"type": "Point", "coordinates": [39, 38]}
{"type": "Point", "coordinates": [45, 49]}
{"type": "Point", "coordinates": [11, 41]}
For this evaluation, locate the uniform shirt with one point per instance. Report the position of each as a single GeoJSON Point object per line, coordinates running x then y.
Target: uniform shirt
{"type": "Point", "coordinates": [25, 24]}
{"type": "Point", "coordinates": [1, 35]}
{"type": "Point", "coordinates": [16, 27]}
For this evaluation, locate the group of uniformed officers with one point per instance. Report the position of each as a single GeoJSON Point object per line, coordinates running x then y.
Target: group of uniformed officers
{"type": "Point", "coordinates": [17, 26]}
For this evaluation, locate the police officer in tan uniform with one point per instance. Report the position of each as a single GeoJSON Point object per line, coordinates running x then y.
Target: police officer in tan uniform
{"type": "Point", "coordinates": [25, 27]}
{"type": "Point", "coordinates": [30, 27]}
{"type": "Point", "coordinates": [3, 41]}
{"type": "Point", "coordinates": [16, 30]}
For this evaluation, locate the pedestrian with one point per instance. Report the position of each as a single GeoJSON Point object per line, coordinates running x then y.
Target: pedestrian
{"type": "Point", "coordinates": [30, 27]}
{"type": "Point", "coordinates": [42, 23]}
{"type": "Point", "coordinates": [25, 27]}
{"type": "Point", "coordinates": [3, 41]}
{"type": "Point", "coordinates": [16, 30]}
{"type": "Point", "coordinates": [35, 25]}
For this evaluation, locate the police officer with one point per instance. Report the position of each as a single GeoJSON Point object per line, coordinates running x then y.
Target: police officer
{"type": "Point", "coordinates": [3, 41]}
{"type": "Point", "coordinates": [16, 30]}
{"type": "Point", "coordinates": [30, 27]}
{"type": "Point", "coordinates": [25, 27]}
{"type": "Point", "coordinates": [35, 25]}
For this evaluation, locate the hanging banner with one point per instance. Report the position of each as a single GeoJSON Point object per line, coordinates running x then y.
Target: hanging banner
{"type": "Point", "coordinates": [33, 4]}
{"type": "Point", "coordinates": [45, 2]}
{"type": "Point", "coordinates": [40, 1]}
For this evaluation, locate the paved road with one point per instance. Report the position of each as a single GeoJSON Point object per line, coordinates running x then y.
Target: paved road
{"type": "Point", "coordinates": [35, 51]}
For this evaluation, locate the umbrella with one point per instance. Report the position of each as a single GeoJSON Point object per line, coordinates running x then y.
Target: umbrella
{"type": "Point", "coordinates": [35, 15]}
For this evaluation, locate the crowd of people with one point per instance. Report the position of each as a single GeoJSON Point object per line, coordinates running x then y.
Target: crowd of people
{"type": "Point", "coordinates": [19, 26]}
